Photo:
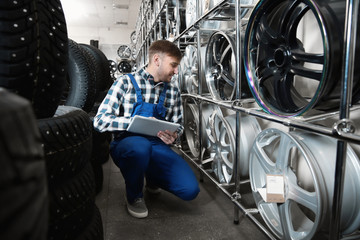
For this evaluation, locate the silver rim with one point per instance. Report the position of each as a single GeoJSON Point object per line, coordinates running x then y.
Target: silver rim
{"type": "Point", "coordinates": [189, 70]}
{"type": "Point", "coordinates": [249, 130]}
{"type": "Point", "coordinates": [191, 77]}
{"type": "Point", "coordinates": [181, 69]}
{"type": "Point", "coordinates": [270, 155]}
{"type": "Point", "coordinates": [191, 120]}
{"type": "Point", "coordinates": [133, 37]}
{"type": "Point", "coordinates": [220, 66]}
{"type": "Point", "coordinates": [124, 51]}
{"type": "Point", "coordinates": [308, 188]}
{"type": "Point", "coordinates": [221, 139]}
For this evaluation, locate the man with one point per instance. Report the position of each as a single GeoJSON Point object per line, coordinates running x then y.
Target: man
{"type": "Point", "coordinates": [148, 93]}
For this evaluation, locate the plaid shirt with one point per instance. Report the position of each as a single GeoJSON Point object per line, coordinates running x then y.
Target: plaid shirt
{"type": "Point", "coordinates": [114, 113]}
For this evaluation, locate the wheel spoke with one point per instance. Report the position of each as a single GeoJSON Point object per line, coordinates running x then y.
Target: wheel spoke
{"type": "Point", "coordinates": [213, 128]}
{"type": "Point", "coordinates": [264, 73]}
{"type": "Point", "coordinates": [283, 87]}
{"type": "Point", "coordinates": [287, 215]}
{"type": "Point", "coordinates": [282, 159]}
{"type": "Point", "coordinates": [227, 79]}
{"type": "Point", "coordinates": [303, 197]}
{"type": "Point", "coordinates": [265, 162]}
{"type": "Point", "coordinates": [301, 56]}
{"type": "Point", "coordinates": [215, 51]}
{"type": "Point", "coordinates": [306, 72]}
{"type": "Point", "coordinates": [226, 51]}
{"type": "Point", "coordinates": [226, 149]}
{"type": "Point", "coordinates": [294, 14]}
{"type": "Point", "coordinates": [265, 34]}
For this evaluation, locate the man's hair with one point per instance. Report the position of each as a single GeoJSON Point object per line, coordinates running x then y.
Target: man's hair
{"type": "Point", "coordinates": [164, 46]}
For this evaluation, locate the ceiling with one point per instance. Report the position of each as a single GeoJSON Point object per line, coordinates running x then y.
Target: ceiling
{"type": "Point", "coordinates": [101, 13]}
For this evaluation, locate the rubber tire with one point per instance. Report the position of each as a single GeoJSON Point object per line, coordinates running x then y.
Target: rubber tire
{"type": "Point", "coordinates": [72, 205]}
{"type": "Point", "coordinates": [94, 230]}
{"type": "Point", "coordinates": [100, 154]}
{"type": "Point", "coordinates": [34, 52]}
{"type": "Point", "coordinates": [81, 83]}
{"type": "Point", "coordinates": [23, 189]}
{"type": "Point", "coordinates": [67, 140]}
{"type": "Point", "coordinates": [104, 80]}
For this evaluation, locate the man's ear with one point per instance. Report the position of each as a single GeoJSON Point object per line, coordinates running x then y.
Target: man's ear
{"type": "Point", "coordinates": [156, 59]}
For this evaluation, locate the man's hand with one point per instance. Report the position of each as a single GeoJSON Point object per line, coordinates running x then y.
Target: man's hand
{"type": "Point", "coordinates": [167, 136]}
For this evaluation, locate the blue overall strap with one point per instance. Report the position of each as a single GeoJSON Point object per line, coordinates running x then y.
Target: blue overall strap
{"type": "Point", "coordinates": [137, 89]}
{"type": "Point", "coordinates": [163, 95]}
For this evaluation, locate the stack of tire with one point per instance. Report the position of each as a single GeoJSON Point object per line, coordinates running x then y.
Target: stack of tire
{"type": "Point", "coordinates": [23, 188]}
{"type": "Point", "coordinates": [87, 83]}
{"type": "Point", "coordinates": [36, 64]}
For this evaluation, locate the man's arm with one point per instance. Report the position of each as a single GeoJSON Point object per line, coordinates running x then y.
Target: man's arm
{"type": "Point", "coordinates": [107, 117]}
{"type": "Point", "coordinates": [176, 117]}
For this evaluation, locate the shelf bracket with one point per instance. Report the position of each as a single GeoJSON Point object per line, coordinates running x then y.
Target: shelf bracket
{"type": "Point", "coordinates": [343, 126]}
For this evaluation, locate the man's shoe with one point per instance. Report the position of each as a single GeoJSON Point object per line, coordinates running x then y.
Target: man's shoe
{"type": "Point", "coordinates": [138, 208]}
{"type": "Point", "coordinates": [153, 190]}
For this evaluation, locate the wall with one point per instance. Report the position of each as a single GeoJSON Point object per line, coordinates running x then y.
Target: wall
{"type": "Point", "coordinates": [109, 38]}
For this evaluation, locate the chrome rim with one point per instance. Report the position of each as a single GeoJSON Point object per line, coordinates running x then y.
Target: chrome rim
{"type": "Point", "coordinates": [192, 126]}
{"type": "Point", "coordinates": [124, 51]}
{"type": "Point", "coordinates": [191, 77]}
{"type": "Point", "coordinates": [181, 71]}
{"type": "Point", "coordinates": [292, 55]}
{"type": "Point", "coordinates": [190, 70]}
{"type": "Point", "coordinates": [220, 66]}
{"type": "Point", "coordinates": [133, 37]}
{"type": "Point", "coordinates": [221, 138]}
{"type": "Point", "coordinates": [191, 119]}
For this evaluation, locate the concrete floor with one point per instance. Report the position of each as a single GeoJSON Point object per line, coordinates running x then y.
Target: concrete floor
{"type": "Point", "coordinates": [209, 216]}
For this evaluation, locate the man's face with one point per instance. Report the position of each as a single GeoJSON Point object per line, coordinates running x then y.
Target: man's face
{"type": "Point", "coordinates": [168, 66]}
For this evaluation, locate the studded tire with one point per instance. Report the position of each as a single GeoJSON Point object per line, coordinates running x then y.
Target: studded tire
{"type": "Point", "coordinates": [23, 189]}
{"type": "Point", "coordinates": [67, 140]}
{"type": "Point", "coordinates": [94, 230]}
{"type": "Point", "coordinates": [72, 205]}
{"type": "Point", "coordinates": [34, 52]}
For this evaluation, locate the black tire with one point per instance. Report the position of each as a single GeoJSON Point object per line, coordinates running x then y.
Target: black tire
{"type": "Point", "coordinates": [23, 189]}
{"type": "Point", "coordinates": [98, 175]}
{"type": "Point", "coordinates": [103, 81]}
{"type": "Point", "coordinates": [100, 154]}
{"type": "Point", "coordinates": [96, 68]}
{"type": "Point", "coordinates": [34, 52]}
{"type": "Point", "coordinates": [80, 90]}
{"type": "Point", "coordinates": [67, 140]}
{"type": "Point", "coordinates": [101, 144]}
{"type": "Point", "coordinates": [94, 230]}
{"type": "Point", "coordinates": [72, 205]}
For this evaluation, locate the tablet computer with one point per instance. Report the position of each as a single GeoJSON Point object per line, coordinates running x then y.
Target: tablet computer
{"type": "Point", "coordinates": [150, 126]}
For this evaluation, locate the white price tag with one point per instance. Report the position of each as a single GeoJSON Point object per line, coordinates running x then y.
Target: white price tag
{"type": "Point", "coordinates": [275, 188]}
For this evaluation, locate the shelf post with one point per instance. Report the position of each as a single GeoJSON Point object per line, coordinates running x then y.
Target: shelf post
{"type": "Point", "coordinates": [238, 114]}
{"type": "Point", "coordinates": [346, 95]}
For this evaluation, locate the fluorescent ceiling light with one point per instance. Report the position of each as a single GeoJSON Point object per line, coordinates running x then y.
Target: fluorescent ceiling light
{"type": "Point", "coordinates": [121, 6]}
{"type": "Point", "coordinates": [121, 23]}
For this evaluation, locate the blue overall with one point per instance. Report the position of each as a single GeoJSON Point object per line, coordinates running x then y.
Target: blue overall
{"type": "Point", "coordinates": [140, 156]}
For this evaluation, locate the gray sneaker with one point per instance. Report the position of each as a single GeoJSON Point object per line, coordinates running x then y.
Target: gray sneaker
{"type": "Point", "coordinates": [138, 208]}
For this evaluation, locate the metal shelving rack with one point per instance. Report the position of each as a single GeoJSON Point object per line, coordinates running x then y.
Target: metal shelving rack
{"type": "Point", "coordinates": [343, 129]}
